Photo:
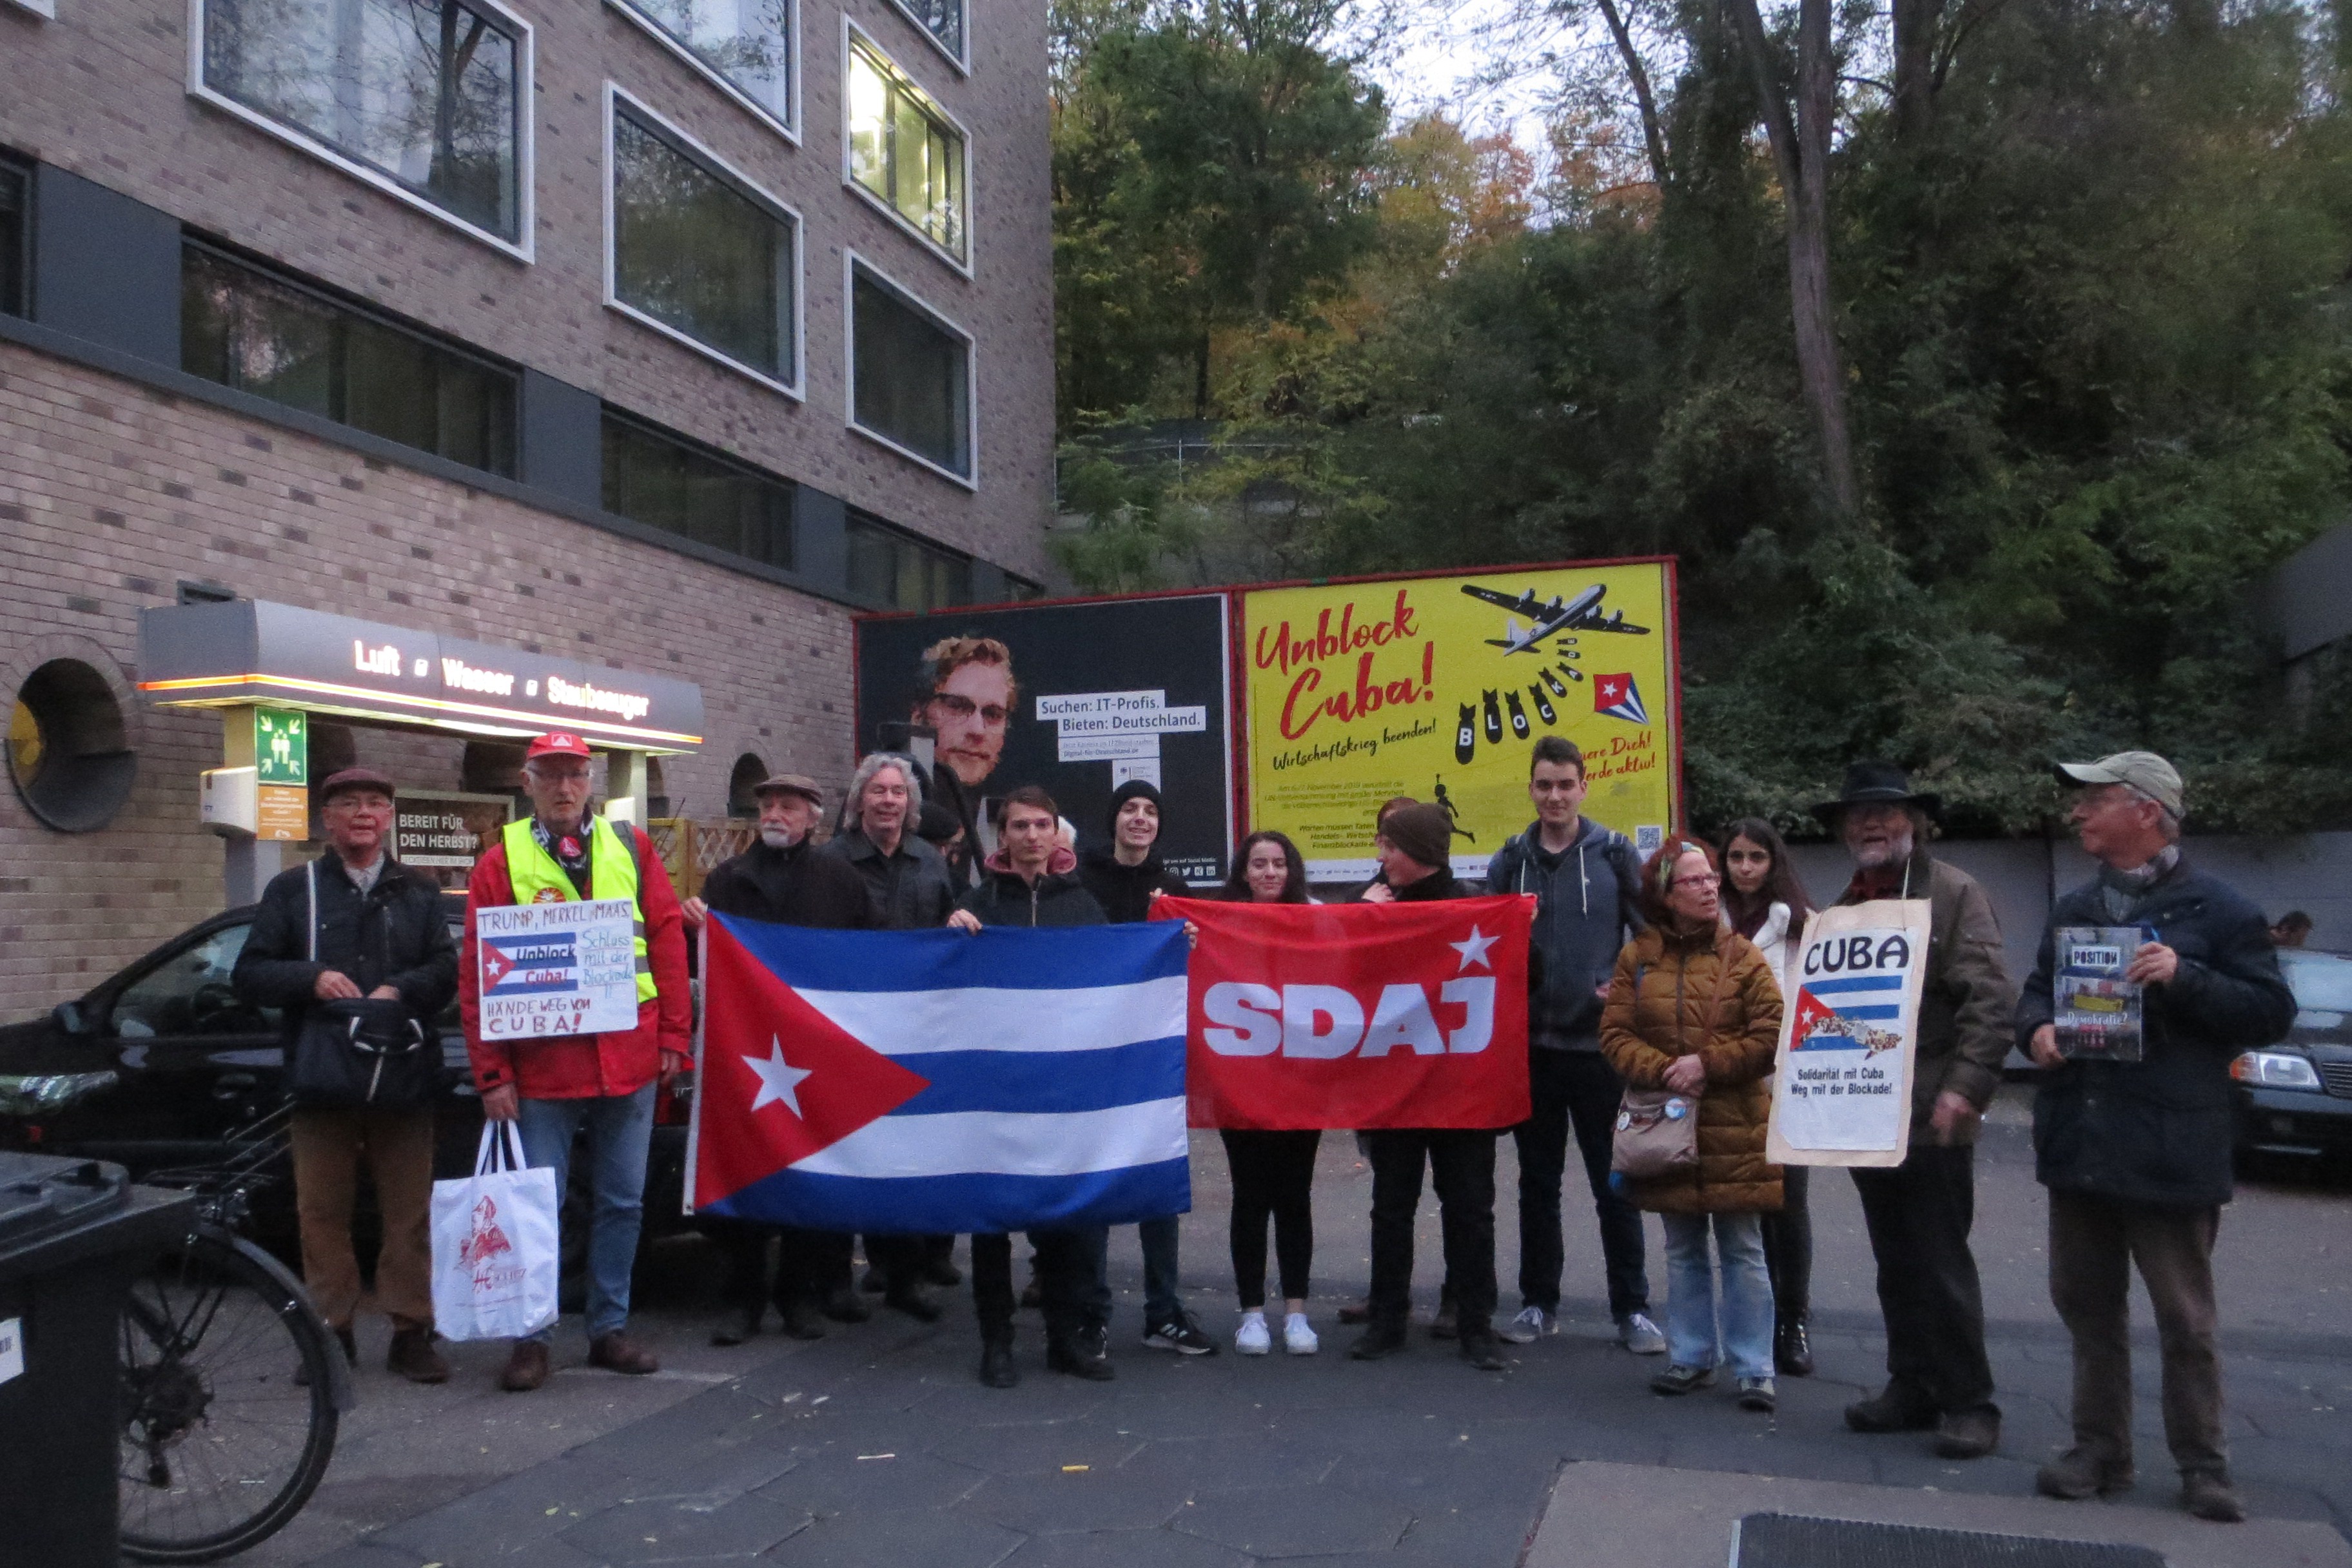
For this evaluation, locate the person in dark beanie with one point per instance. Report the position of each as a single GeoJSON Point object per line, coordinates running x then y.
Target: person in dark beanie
{"type": "Point", "coordinates": [2136, 1154]}
{"type": "Point", "coordinates": [1919, 1213]}
{"type": "Point", "coordinates": [1415, 848]}
{"type": "Point", "coordinates": [357, 923]}
{"type": "Point", "coordinates": [1585, 879]}
{"type": "Point", "coordinates": [1125, 877]}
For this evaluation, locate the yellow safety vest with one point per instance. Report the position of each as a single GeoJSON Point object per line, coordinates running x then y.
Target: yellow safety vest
{"type": "Point", "coordinates": [611, 874]}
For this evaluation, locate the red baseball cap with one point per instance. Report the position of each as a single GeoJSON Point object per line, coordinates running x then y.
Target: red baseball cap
{"type": "Point", "coordinates": [557, 743]}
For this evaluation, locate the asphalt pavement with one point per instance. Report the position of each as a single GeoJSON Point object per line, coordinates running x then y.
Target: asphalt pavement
{"type": "Point", "coordinates": [876, 1445]}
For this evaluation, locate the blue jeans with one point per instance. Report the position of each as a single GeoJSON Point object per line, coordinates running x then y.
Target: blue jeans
{"type": "Point", "coordinates": [1161, 1303]}
{"type": "Point", "coordinates": [1746, 1340]}
{"type": "Point", "coordinates": [620, 1131]}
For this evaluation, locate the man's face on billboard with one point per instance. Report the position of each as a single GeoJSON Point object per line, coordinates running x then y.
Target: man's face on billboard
{"type": "Point", "coordinates": [967, 713]}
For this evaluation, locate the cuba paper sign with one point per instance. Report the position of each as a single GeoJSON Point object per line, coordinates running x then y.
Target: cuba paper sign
{"type": "Point", "coordinates": [1849, 1036]}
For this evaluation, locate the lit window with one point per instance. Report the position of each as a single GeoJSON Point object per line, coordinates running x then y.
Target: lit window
{"type": "Point", "coordinates": [260, 333]}
{"type": "Point", "coordinates": [428, 94]}
{"type": "Point", "coordinates": [666, 483]}
{"type": "Point", "coordinates": [699, 252]}
{"type": "Point", "coordinates": [898, 570]}
{"type": "Point", "coordinates": [903, 149]}
{"type": "Point", "coordinates": [910, 375]}
{"type": "Point", "coordinates": [746, 44]}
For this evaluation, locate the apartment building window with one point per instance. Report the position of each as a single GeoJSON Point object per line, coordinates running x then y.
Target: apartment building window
{"type": "Point", "coordinates": [698, 252]}
{"type": "Point", "coordinates": [901, 572]}
{"type": "Point", "coordinates": [258, 332]}
{"type": "Point", "coordinates": [903, 150]}
{"type": "Point", "coordinates": [683, 489]}
{"type": "Point", "coordinates": [909, 375]}
{"type": "Point", "coordinates": [744, 46]}
{"type": "Point", "coordinates": [942, 22]}
{"type": "Point", "coordinates": [429, 97]}
{"type": "Point", "coordinates": [15, 234]}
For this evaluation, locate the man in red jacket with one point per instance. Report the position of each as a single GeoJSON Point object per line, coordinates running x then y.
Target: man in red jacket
{"type": "Point", "coordinates": [602, 1084]}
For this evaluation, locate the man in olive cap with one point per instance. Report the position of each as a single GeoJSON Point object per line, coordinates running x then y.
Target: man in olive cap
{"type": "Point", "coordinates": [1919, 1213]}
{"type": "Point", "coordinates": [2137, 1153]}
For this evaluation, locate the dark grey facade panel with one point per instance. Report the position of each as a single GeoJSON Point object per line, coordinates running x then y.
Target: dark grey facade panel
{"type": "Point", "coordinates": [820, 537]}
{"type": "Point", "coordinates": [562, 439]}
{"type": "Point", "coordinates": [105, 266]}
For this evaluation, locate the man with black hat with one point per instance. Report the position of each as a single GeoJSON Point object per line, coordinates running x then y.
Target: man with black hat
{"type": "Point", "coordinates": [786, 880]}
{"type": "Point", "coordinates": [602, 1086]}
{"type": "Point", "coordinates": [2137, 1153]}
{"type": "Point", "coordinates": [1919, 1213]}
{"type": "Point", "coordinates": [357, 923]}
{"type": "Point", "coordinates": [1125, 875]}
{"type": "Point", "coordinates": [1415, 846]}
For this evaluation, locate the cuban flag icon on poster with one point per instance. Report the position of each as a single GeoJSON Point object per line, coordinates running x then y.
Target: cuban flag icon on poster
{"type": "Point", "coordinates": [1617, 696]}
{"type": "Point", "coordinates": [1849, 1019]}
{"type": "Point", "coordinates": [930, 1082]}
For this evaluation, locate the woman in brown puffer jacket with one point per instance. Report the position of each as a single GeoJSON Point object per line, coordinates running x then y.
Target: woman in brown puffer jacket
{"type": "Point", "coordinates": [1693, 1008]}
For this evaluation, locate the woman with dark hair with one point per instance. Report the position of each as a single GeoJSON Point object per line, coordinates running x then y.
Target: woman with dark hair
{"type": "Point", "coordinates": [1693, 1010]}
{"type": "Point", "coordinates": [1764, 901]}
{"type": "Point", "coordinates": [1273, 1170]}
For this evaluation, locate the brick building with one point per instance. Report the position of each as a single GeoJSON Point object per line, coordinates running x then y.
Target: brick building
{"type": "Point", "coordinates": [652, 336]}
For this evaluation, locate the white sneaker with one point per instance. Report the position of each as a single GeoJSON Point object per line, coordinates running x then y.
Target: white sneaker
{"type": "Point", "coordinates": [1252, 1338]}
{"type": "Point", "coordinates": [1297, 1337]}
{"type": "Point", "coordinates": [1532, 1324]}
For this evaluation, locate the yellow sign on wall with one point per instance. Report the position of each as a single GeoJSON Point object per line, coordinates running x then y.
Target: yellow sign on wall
{"type": "Point", "coordinates": [1438, 688]}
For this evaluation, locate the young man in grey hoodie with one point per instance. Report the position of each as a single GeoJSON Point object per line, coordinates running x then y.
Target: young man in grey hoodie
{"type": "Point", "coordinates": [1585, 879]}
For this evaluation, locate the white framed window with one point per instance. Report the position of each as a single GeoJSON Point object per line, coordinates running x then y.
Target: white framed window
{"type": "Point", "coordinates": [749, 49]}
{"type": "Point", "coordinates": [942, 24]}
{"type": "Point", "coordinates": [913, 382]}
{"type": "Point", "coordinates": [427, 100]}
{"type": "Point", "coordinates": [696, 251]}
{"type": "Point", "coordinates": [902, 152]}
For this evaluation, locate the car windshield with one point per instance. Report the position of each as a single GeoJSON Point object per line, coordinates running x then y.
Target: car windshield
{"type": "Point", "coordinates": [2322, 984]}
{"type": "Point", "coordinates": [190, 993]}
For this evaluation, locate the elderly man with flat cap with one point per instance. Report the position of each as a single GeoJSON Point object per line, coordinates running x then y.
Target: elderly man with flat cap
{"type": "Point", "coordinates": [1919, 1213]}
{"type": "Point", "coordinates": [2136, 1154]}
{"type": "Point", "coordinates": [357, 923]}
{"type": "Point", "coordinates": [786, 879]}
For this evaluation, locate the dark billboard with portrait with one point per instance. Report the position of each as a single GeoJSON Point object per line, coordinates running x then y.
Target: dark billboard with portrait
{"type": "Point", "coordinates": [1080, 697]}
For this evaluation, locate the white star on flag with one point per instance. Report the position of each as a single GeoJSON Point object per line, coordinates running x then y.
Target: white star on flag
{"type": "Point", "coordinates": [779, 1081]}
{"type": "Point", "coordinates": [1473, 949]}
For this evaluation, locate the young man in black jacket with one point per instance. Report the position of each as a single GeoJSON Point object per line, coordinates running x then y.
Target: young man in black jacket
{"type": "Point", "coordinates": [786, 880]}
{"type": "Point", "coordinates": [1585, 879]}
{"type": "Point", "coordinates": [379, 932]}
{"type": "Point", "coordinates": [1125, 875]}
{"type": "Point", "coordinates": [1027, 882]}
{"type": "Point", "coordinates": [1415, 849]}
{"type": "Point", "coordinates": [2136, 1154]}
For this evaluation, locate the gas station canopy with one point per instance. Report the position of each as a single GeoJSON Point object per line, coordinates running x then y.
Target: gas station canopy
{"type": "Point", "coordinates": [249, 652]}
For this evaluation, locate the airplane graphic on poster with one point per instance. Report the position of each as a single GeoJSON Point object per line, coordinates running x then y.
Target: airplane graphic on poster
{"type": "Point", "coordinates": [1582, 613]}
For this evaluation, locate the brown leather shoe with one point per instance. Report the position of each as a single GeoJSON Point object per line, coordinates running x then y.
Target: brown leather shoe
{"type": "Point", "coordinates": [412, 1357]}
{"type": "Point", "coordinates": [616, 1352]}
{"type": "Point", "coordinates": [525, 1367]}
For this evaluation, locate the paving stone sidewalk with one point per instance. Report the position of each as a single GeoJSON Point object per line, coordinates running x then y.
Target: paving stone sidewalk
{"type": "Point", "coordinates": [876, 1446]}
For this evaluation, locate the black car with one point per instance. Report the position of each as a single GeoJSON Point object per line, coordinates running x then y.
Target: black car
{"type": "Point", "coordinates": [161, 1067]}
{"type": "Point", "coordinates": [2295, 1097]}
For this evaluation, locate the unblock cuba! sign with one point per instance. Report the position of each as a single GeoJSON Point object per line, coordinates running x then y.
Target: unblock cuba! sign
{"type": "Point", "coordinates": [1357, 1015]}
{"type": "Point", "coordinates": [565, 968]}
{"type": "Point", "coordinates": [1841, 1086]}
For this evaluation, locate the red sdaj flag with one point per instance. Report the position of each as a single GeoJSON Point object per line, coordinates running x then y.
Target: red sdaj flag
{"type": "Point", "coordinates": [1357, 1015]}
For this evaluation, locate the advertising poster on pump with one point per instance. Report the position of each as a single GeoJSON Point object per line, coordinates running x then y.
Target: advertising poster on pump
{"type": "Point", "coordinates": [1088, 695]}
{"type": "Point", "coordinates": [1439, 688]}
{"type": "Point", "coordinates": [1848, 1032]}
{"type": "Point", "coordinates": [557, 969]}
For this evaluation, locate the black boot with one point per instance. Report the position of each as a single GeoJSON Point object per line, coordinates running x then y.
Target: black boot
{"type": "Point", "coordinates": [842, 1305]}
{"type": "Point", "coordinates": [996, 1368]}
{"type": "Point", "coordinates": [1792, 1348]}
{"type": "Point", "coordinates": [1384, 1338]}
{"type": "Point", "coordinates": [741, 1326]}
{"type": "Point", "coordinates": [803, 1320]}
{"type": "Point", "coordinates": [914, 1301]}
{"type": "Point", "coordinates": [1082, 1354]}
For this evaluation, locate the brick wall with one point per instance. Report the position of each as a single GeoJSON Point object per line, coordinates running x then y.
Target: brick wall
{"type": "Point", "coordinates": [110, 493]}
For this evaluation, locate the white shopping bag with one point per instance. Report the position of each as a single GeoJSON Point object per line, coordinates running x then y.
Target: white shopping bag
{"type": "Point", "coordinates": [495, 1244]}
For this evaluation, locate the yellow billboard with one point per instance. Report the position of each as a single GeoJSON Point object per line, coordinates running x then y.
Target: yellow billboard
{"type": "Point", "coordinates": [1439, 687]}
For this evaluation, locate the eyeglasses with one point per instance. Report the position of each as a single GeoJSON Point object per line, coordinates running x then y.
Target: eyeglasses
{"type": "Point", "coordinates": [992, 715]}
{"type": "Point", "coordinates": [1701, 879]}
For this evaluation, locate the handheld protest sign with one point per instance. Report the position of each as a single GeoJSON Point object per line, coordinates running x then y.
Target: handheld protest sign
{"type": "Point", "coordinates": [1849, 1038]}
{"type": "Point", "coordinates": [558, 969]}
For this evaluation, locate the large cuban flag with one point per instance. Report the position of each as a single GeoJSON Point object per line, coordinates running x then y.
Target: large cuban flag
{"type": "Point", "coordinates": [941, 1081]}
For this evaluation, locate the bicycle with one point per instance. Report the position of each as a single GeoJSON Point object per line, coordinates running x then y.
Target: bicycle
{"type": "Point", "coordinates": [232, 1384]}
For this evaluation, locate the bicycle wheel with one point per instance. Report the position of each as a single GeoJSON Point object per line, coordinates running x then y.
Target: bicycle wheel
{"type": "Point", "coordinates": [221, 1441]}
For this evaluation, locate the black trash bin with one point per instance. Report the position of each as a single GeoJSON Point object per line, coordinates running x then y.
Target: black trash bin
{"type": "Point", "coordinates": [73, 1235]}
